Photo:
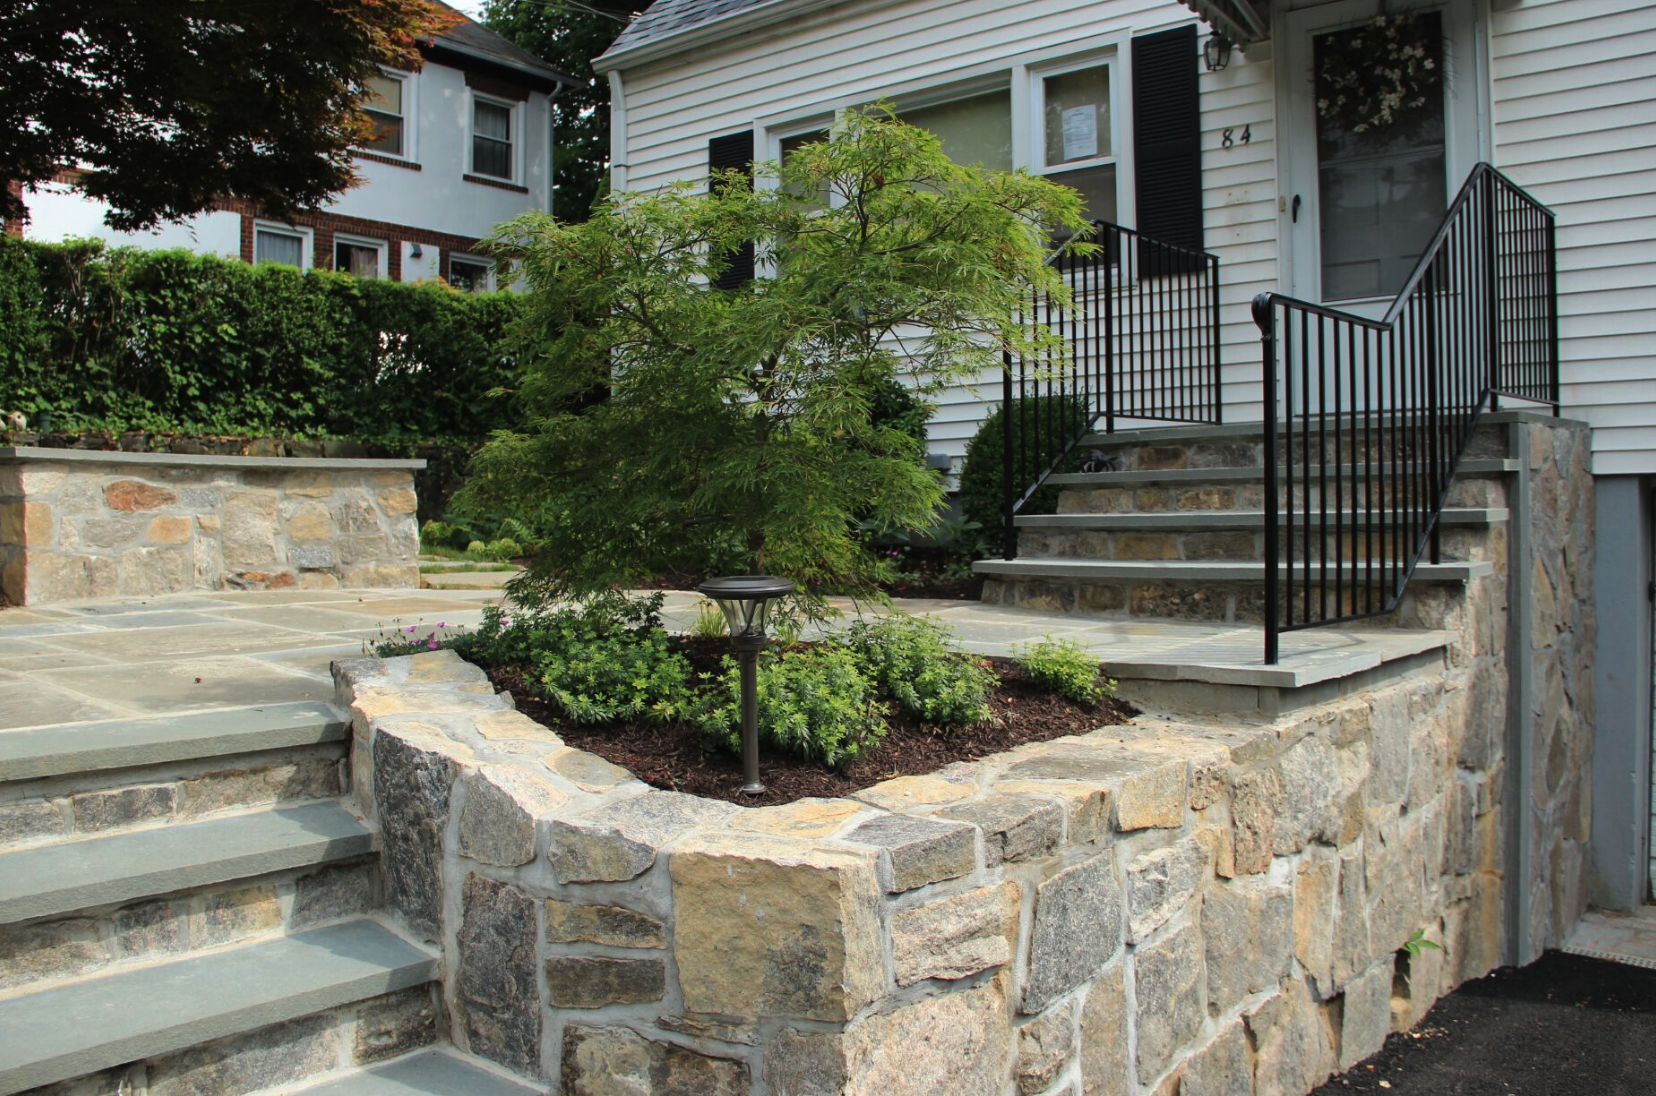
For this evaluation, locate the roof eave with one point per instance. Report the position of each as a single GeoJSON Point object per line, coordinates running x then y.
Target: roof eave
{"type": "Point", "coordinates": [542, 78]}
{"type": "Point", "coordinates": [746, 19]}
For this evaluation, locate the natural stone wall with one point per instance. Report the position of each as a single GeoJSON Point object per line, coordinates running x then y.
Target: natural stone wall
{"type": "Point", "coordinates": [1159, 904]}
{"type": "Point", "coordinates": [77, 524]}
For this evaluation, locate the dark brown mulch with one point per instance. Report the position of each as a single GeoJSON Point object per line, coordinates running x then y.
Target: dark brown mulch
{"type": "Point", "coordinates": [1563, 1026]}
{"type": "Point", "coordinates": [672, 756]}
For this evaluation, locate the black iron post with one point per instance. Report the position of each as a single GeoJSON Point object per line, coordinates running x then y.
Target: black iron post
{"type": "Point", "coordinates": [748, 647]}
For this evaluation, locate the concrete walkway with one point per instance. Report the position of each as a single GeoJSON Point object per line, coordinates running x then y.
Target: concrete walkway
{"type": "Point", "coordinates": [110, 659]}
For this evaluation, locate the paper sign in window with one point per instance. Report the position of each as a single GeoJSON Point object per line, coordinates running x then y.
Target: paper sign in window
{"type": "Point", "coordinates": [1081, 132]}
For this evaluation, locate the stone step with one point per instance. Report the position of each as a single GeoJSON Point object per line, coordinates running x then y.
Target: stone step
{"type": "Point", "coordinates": [1216, 535]}
{"type": "Point", "coordinates": [467, 580]}
{"type": "Point", "coordinates": [1230, 592]}
{"type": "Point", "coordinates": [1169, 477]}
{"type": "Point", "coordinates": [33, 753]}
{"type": "Point", "coordinates": [65, 877]}
{"type": "Point", "coordinates": [82, 1027]}
{"type": "Point", "coordinates": [428, 1073]}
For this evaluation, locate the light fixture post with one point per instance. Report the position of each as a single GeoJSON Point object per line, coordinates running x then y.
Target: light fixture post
{"type": "Point", "coordinates": [745, 600]}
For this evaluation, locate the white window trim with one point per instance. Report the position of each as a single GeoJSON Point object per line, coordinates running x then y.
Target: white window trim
{"type": "Point", "coordinates": [517, 130]}
{"type": "Point", "coordinates": [364, 241]}
{"type": "Point", "coordinates": [410, 95]}
{"type": "Point", "coordinates": [476, 260]}
{"type": "Point", "coordinates": [307, 241]}
{"type": "Point", "coordinates": [1030, 150]}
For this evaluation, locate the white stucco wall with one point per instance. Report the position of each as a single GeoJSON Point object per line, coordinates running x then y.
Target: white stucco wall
{"type": "Point", "coordinates": [57, 212]}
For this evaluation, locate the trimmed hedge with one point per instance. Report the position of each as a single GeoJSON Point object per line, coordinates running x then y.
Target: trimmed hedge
{"type": "Point", "coordinates": [169, 341]}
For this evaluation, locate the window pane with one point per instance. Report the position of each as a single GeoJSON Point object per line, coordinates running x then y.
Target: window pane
{"type": "Point", "coordinates": [973, 131]}
{"type": "Point", "coordinates": [278, 247]}
{"type": "Point", "coordinates": [384, 94]}
{"type": "Point", "coordinates": [492, 120]}
{"type": "Point", "coordinates": [789, 144]}
{"type": "Point", "coordinates": [356, 259]}
{"type": "Point", "coordinates": [1098, 189]}
{"type": "Point", "coordinates": [388, 132]}
{"type": "Point", "coordinates": [490, 157]}
{"type": "Point", "coordinates": [469, 277]}
{"type": "Point", "coordinates": [1077, 115]}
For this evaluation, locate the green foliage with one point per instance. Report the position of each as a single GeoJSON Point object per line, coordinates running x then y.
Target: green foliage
{"type": "Point", "coordinates": [675, 427]}
{"type": "Point", "coordinates": [568, 36]}
{"type": "Point", "coordinates": [814, 702]}
{"type": "Point", "coordinates": [1417, 943]}
{"type": "Point", "coordinates": [169, 341]}
{"type": "Point", "coordinates": [710, 621]}
{"type": "Point", "coordinates": [171, 106]}
{"type": "Point", "coordinates": [982, 475]}
{"type": "Point", "coordinates": [1064, 667]}
{"type": "Point", "coordinates": [915, 662]}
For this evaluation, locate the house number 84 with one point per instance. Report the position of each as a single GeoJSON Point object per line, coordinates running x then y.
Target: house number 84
{"type": "Point", "coordinates": [1232, 140]}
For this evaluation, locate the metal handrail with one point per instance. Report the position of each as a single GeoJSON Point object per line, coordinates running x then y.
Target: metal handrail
{"type": "Point", "coordinates": [1144, 335]}
{"type": "Point", "coordinates": [1400, 399]}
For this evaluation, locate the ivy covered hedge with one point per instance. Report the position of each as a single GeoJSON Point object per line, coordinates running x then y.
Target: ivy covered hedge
{"type": "Point", "coordinates": [169, 341]}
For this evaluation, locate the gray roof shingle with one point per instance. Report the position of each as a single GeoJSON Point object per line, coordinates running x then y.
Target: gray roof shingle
{"type": "Point", "coordinates": [668, 17]}
{"type": "Point", "coordinates": [473, 39]}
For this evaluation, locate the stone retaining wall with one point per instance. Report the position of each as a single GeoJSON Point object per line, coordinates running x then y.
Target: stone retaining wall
{"type": "Point", "coordinates": [77, 524]}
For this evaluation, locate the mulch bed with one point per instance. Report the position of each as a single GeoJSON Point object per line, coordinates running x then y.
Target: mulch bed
{"type": "Point", "coordinates": [672, 756]}
{"type": "Point", "coordinates": [1562, 1026]}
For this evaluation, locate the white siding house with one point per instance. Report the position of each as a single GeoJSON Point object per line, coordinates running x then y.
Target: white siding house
{"type": "Point", "coordinates": [464, 144]}
{"type": "Point", "coordinates": [1560, 95]}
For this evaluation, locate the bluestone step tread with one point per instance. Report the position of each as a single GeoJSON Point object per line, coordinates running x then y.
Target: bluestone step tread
{"type": "Point", "coordinates": [36, 752]}
{"type": "Point", "coordinates": [1232, 431]}
{"type": "Point", "coordinates": [1302, 475]}
{"type": "Point", "coordinates": [1184, 570]}
{"type": "Point", "coordinates": [82, 1027]}
{"type": "Point", "coordinates": [1234, 519]}
{"type": "Point", "coordinates": [428, 1073]}
{"type": "Point", "coordinates": [48, 880]}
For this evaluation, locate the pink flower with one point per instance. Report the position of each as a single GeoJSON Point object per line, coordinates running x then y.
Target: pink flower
{"type": "Point", "coordinates": [411, 627]}
{"type": "Point", "coordinates": [432, 643]}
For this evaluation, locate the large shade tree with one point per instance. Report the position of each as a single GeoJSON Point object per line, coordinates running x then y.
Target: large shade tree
{"type": "Point", "coordinates": [568, 34]}
{"type": "Point", "coordinates": [171, 105]}
{"type": "Point", "coordinates": [680, 427]}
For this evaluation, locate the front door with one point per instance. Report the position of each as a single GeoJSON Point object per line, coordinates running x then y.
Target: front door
{"type": "Point", "coordinates": [1369, 175]}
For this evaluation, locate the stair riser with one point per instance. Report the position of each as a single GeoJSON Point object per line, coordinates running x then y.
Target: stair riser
{"type": "Point", "coordinates": [1238, 545]}
{"type": "Point", "coordinates": [103, 940]}
{"type": "Point", "coordinates": [104, 802]}
{"type": "Point", "coordinates": [310, 1049]}
{"type": "Point", "coordinates": [1247, 450]}
{"type": "Point", "coordinates": [1468, 491]}
{"type": "Point", "coordinates": [1216, 602]}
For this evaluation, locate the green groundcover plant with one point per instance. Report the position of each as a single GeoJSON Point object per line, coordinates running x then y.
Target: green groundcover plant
{"type": "Point", "coordinates": [674, 426]}
{"type": "Point", "coordinates": [608, 660]}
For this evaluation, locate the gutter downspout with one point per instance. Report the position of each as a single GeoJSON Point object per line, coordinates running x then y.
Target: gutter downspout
{"type": "Point", "coordinates": [618, 133]}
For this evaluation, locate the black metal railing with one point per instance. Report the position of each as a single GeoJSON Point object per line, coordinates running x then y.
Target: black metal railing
{"type": "Point", "coordinates": [1143, 341]}
{"type": "Point", "coordinates": [1367, 420]}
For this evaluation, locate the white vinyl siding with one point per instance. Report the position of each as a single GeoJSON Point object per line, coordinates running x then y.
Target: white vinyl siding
{"type": "Point", "coordinates": [1575, 124]}
{"type": "Point", "coordinates": [856, 52]}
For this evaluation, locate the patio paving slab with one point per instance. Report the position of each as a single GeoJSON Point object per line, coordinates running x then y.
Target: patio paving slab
{"type": "Point", "coordinates": [199, 681]}
{"type": "Point", "coordinates": [29, 701]}
{"type": "Point", "coordinates": [1619, 937]}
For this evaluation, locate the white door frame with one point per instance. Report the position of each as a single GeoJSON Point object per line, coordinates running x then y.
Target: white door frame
{"type": "Point", "coordinates": [1467, 117]}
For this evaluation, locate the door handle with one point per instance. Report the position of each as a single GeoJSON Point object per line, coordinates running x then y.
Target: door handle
{"type": "Point", "coordinates": [1293, 209]}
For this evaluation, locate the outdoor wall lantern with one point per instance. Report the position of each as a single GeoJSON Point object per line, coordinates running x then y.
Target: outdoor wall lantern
{"type": "Point", "coordinates": [1216, 52]}
{"type": "Point", "coordinates": [745, 601]}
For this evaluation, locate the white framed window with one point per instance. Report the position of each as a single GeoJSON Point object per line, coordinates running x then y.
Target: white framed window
{"type": "Point", "coordinates": [389, 107]}
{"type": "Point", "coordinates": [494, 144]}
{"type": "Point", "coordinates": [1075, 131]}
{"type": "Point", "coordinates": [358, 256]}
{"type": "Point", "coordinates": [282, 244]}
{"type": "Point", "coordinates": [975, 127]}
{"type": "Point", "coordinates": [783, 144]}
{"type": "Point", "coordinates": [470, 275]}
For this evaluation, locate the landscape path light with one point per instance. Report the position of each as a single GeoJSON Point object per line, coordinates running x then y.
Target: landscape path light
{"type": "Point", "coordinates": [745, 601]}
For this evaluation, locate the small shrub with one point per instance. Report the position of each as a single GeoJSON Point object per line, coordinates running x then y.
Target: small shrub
{"type": "Point", "coordinates": [477, 546]}
{"type": "Point", "coordinates": [710, 621]}
{"type": "Point", "coordinates": [415, 639]}
{"type": "Point", "coordinates": [1058, 418]}
{"type": "Point", "coordinates": [1064, 667]}
{"type": "Point", "coordinates": [915, 662]}
{"type": "Point", "coordinates": [437, 534]}
{"type": "Point", "coordinates": [503, 549]}
{"type": "Point", "coordinates": [814, 703]}
{"type": "Point", "coordinates": [598, 677]}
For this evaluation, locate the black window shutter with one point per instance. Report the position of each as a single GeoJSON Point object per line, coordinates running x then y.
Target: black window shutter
{"type": "Point", "coordinates": [1167, 141]}
{"type": "Point", "coordinates": [734, 151]}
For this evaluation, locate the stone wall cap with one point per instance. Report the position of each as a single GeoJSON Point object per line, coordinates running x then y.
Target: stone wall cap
{"type": "Point", "coordinates": [33, 454]}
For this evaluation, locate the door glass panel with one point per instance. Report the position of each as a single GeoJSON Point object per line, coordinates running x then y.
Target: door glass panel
{"type": "Point", "coordinates": [973, 131]}
{"type": "Point", "coordinates": [1077, 115]}
{"type": "Point", "coordinates": [1381, 190]}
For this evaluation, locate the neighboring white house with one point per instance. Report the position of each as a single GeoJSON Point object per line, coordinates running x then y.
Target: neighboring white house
{"type": "Point", "coordinates": [1558, 94]}
{"type": "Point", "coordinates": [463, 145]}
